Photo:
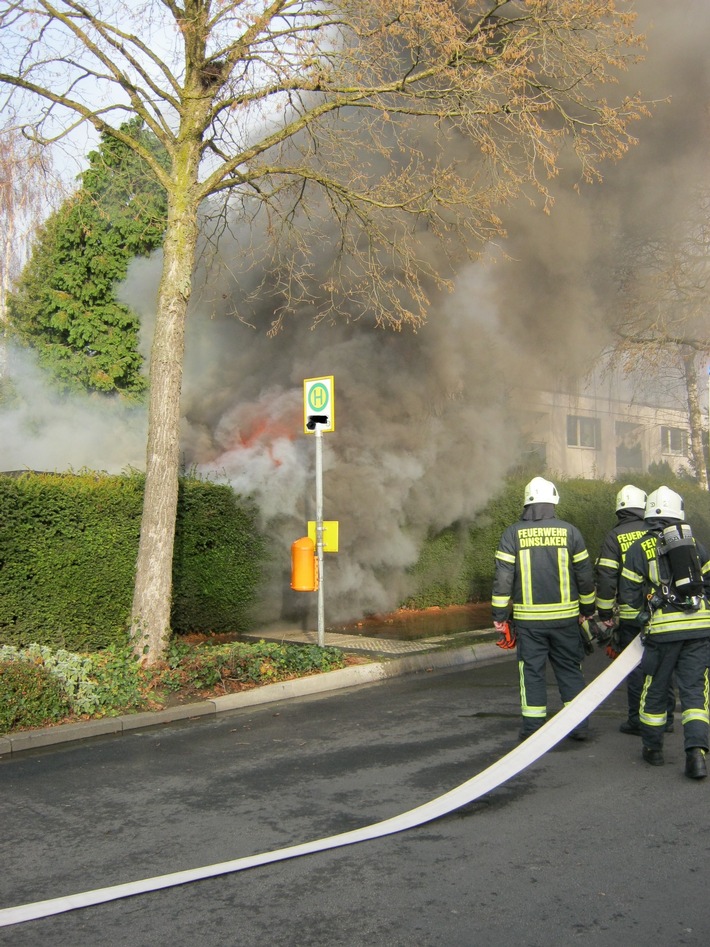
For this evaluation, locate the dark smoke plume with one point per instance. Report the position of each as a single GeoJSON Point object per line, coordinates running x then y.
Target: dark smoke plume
{"type": "Point", "coordinates": [426, 422]}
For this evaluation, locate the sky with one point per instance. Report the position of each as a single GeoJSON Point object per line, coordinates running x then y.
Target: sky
{"type": "Point", "coordinates": [426, 421]}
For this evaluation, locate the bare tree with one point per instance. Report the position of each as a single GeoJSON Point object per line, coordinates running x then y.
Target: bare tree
{"type": "Point", "coordinates": [662, 327]}
{"type": "Point", "coordinates": [28, 192]}
{"type": "Point", "coordinates": [394, 121]}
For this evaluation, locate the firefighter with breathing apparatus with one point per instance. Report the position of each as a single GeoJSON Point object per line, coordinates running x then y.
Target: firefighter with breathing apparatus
{"type": "Point", "coordinates": [630, 526]}
{"type": "Point", "coordinates": [544, 574]}
{"type": "Point", "coordinates": [664, 587]}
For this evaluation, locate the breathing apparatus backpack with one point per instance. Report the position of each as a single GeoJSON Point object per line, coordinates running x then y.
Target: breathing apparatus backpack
{"type": "Point", "coordinates": [679, 568]}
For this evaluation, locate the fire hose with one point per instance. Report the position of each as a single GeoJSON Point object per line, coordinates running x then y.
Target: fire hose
{"type": "Point", "coordinates": [491, 778]}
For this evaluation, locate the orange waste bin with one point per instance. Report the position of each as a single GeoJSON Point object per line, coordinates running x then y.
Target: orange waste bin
{"type": "Point", "coordinates": [304, 569]}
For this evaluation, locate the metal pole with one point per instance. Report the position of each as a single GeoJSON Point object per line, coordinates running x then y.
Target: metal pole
{"type": "Point", "coordinates": [319, 533]}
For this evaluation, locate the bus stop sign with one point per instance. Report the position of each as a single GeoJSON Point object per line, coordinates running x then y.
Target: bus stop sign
{"type": "Point", "coordinates": [318, 404]}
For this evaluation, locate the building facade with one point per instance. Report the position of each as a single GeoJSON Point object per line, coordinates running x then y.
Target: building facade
{"type": "Point", "coordinates": [597, 437]}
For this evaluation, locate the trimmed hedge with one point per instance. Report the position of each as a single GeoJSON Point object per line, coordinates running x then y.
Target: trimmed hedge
{"type": "Point", "coordinates": [68, 548]}
{"type": "Point", "coordinates": [457, 566]}
{"type": "Point", "coordinates": [218, 560]}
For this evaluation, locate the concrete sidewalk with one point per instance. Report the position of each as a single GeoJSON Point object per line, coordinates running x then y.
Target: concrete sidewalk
{"type": "Point", "coordinates": [286, 634]}
{"type": "Point", "coordinates": [447, 651]}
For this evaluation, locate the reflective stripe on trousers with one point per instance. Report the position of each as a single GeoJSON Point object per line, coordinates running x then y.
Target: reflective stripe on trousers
{"type": "Point", "coordinates": [689, 659]}
{"type": "Point", "coordinates": [563, 648]}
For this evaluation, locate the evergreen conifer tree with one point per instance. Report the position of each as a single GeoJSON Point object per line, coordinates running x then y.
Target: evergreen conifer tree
{"type": "Point", "coordinates": [65, 304]}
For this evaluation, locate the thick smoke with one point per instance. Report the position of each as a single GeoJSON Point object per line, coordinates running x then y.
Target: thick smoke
{"type": "Point", "coordinates": [41, 431]}
{"type": "Point", "coordinates": [425, 422]}
{"type": "Point", "coordinates": [422, 436]}
{"type": "Point", "coordinates": [558, 294]}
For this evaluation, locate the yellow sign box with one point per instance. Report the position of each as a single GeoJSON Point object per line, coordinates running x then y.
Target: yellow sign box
{"type": "Point", "coordinates": [330, 534]}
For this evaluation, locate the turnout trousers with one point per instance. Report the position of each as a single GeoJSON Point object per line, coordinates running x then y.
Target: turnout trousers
{"type": "Point", "coordinates": [689, 660]}
{"type": "Point", "coordinates": [634, 682]}
{"type": "Point", "coordinates": [563, 647]}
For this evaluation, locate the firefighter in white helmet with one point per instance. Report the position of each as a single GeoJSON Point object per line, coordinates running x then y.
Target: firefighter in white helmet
{"type": "Point", "coordinates": [665, 584]}
{"type": "Point", "coordinates": [545, 576]}
{"type": "Point", "coordinates": [630, 526]}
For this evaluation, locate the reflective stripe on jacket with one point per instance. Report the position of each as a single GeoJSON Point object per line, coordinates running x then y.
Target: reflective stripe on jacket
{"type": "Point", "coordinates": [543, 569]}
{"type": "Point", "coordinates": [616, 544]}
{"type": "Point", "coordinates": [640, 581]}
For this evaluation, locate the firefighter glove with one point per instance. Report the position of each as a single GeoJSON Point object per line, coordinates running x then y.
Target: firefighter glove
{"type": "Point", "coordinates": [508, 638]}
{"type": "Point", "coordinates": [613, 648]}
{"type": "Point", "coordinates": [586, 635]}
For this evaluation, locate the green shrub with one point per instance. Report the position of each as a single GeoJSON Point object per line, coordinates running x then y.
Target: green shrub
{"type": "Point", "coordinates": [116, 683]}
{"type": "Point", "coordinates": [107, 682]}
{"type": "Point", "coordinates": [218, 559]}
{"type": "Point", "coordinates": [440, 572]}
{"type": "Point", "coordinates": [68, 548]}
{"type": "Point", "coordinates": [458, 564]}
{"type": "Point", "coordinates": [39, 685]}
{"type": "Point", "coordinates": [206, 666]}
{"type": "Point", "coordinates": [30, 696]}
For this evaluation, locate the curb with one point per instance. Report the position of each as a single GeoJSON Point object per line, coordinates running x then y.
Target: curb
{"type": "Point", "coordinates": [479, 654]}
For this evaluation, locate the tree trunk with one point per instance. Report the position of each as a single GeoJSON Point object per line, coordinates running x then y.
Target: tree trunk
{"type": "Point", "coordinates": [695, 415]}
{"type": "Point", "coordinates": [150, 617]}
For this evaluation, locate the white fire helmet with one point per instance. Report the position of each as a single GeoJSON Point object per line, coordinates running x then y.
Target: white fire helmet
{"type": "Point", "coordinates": [665, 502]}
{"type": "Point", "coordinates": [630, 497]}
{"type": "Point", "coordinates": [540, 490]}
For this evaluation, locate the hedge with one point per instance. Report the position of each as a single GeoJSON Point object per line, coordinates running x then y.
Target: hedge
{"type": "Point", "coordinates": [68, 548]}
{"type": "Point", "coordinates": [457, 565]}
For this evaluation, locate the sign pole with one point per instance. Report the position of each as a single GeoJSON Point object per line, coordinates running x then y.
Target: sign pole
{"type": "Point", "coordinates": [319, 534]}
{"type": "Point", "coordinates": [319, 418]}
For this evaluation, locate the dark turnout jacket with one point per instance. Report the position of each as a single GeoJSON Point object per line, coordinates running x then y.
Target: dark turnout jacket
{"type": "Point", "coordinates": [543, 569]}
{"type": "Point", "coordinates": [639, 593]}
{"type": "Point", "coordinates": [617, 542]}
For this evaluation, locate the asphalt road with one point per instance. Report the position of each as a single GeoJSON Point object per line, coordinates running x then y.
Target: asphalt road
{"type": "Point", "coordinates": [588, 845]}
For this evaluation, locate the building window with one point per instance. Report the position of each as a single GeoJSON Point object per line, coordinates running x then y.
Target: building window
{"type": "Point", "coordinates": [674, 440]}
{"type": "Point", "coordinates": [583, 432]}
{"type": "Point", "coordinates": [629, 454]}
{"type": "Point", "coordinates": [535, 453]}
{"type": "Point", "coordinates": [535, 426]}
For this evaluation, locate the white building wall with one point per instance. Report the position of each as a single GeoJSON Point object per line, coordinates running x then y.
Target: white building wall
{"type": "Point", "coordinates": [621, 438]}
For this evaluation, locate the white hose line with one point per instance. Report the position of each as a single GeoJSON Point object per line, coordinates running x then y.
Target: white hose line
{"type": "Point", "coordinates": [510, 765]}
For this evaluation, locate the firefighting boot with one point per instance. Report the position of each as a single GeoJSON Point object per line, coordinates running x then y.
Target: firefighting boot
{"type": "Point", "coordinates": [695, 766]}
{"type": "Point", "coordinates": [652, 756]}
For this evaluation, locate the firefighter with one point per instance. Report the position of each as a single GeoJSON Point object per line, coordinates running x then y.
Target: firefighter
{"type": "Point", "coordinates": [676, 627]}
{"type": "Point", "coordinates": [544, 571]}
{"type": "Point", "coordinates": [630, 526]}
